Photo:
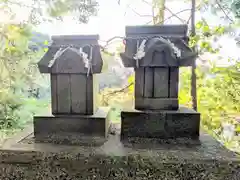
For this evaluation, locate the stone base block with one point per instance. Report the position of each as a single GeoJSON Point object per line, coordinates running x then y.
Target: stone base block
{"type": "Point", "coordinates": [72, 129]}
{"type": "Point", "coordinates": [184, 122]}
{"type": "Point", "coordinates": [23, 158]}
{"type": "Point", "coordinates": [145, 104]}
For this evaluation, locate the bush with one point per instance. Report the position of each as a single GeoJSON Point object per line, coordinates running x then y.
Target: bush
{"type": "Point", "coordinates": [17, 111]}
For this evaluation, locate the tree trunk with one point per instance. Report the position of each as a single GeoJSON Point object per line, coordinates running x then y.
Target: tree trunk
{"type": "Point", "coordinates": [159, 7]}
{"type": "Point", "coordinates": [194, 77]}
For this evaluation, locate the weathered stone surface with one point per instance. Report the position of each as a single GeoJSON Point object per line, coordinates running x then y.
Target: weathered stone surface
{"type": "Point", "coordinates": [72, 129]}
{"type": "Point", "coordinates": [70, 61]}
{"type": "Point", "coordinates": [158, 53]}
{"type": "Point", "coordinates": [75, 39]}
{"type": "Point", "coordinates": [160, 124]}
{"type": "Point", "coordinates": [179, 31]}
{"type": "Point", "coordinates": [204, 160]}
{"type": "Point", "coordinates": [74, 84]}
{"type": "Point", "coordinates": [156, 88]}
{"type": "Point", "coordinates": [157, 71]}
{"type": "Point", "coordinates": [156, 103]}
{"type": "Point", "coordinates": [74, 94]}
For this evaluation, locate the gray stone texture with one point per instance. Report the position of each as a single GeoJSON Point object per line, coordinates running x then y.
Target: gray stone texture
{"type": "Point", "coordinates": [156, 88]}
{"type": "Point", "coordinates": [73, 90]}
{"type": "Point", "coordinates": [74, 94]}
{"type": "Point", "coordinates": [69, 61]}
{"type": "Point", "coordinates": [72, 129]}
{"type": "Point", "coordinates": [158, 54]}
{"type": "Point", "coordinates": [157, 73]}
{"type": "Point", "coordinates": [184, 122]}
{"type": "Point", "coordinates": [205, 159]}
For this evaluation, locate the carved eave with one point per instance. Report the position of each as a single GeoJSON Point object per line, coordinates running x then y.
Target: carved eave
{"type": "Point", "coordinates": [70, 61]}
{"type": "Point", "coordinates": [188, 56]}
{"type": "Point", "coordinates": [158, 53]}
{"type": "Point", "coordinates": [47, 57]}
{"type": "Point", "coordinates": [153, 58]}
{"type": "Point", "coordinates": [171, 61]}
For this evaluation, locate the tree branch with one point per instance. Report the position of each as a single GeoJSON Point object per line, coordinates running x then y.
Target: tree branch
{"type": "Point", "coordinates": [109, 41]}
{"type": "Point", "coordinates": [137, 12]}
{"type": "Point", "coordinates": [146, 2]}
{"type": "Point", "coordinates": [171, 16]}
{"type": "Point", "coordinates": [118, 91]}
{"type": "Point", "coordinates": [224, 12]}
{"type": "Point", "coordinates": [175, 15]}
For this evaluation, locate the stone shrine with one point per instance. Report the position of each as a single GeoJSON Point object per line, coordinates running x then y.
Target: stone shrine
{"type": "Point", "coordinates": [157, 113]}
{"type": "Point", "coordinates": [73, 143]}
{"type": "Point", "coordinates": [74, 90]}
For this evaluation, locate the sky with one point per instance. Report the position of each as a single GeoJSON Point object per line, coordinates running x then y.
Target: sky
{"type": "Point", "coordinates": [111, 20]}
{"type": "Point", "coordinates": [97, 25]}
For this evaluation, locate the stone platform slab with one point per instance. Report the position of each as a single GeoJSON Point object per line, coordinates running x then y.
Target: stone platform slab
{"type": "Point", "coordinates": [73, 129]}
{"type": "Point", "coordinates": [183, 159]}
{"type": "Point", "coordinates": [184, 122]}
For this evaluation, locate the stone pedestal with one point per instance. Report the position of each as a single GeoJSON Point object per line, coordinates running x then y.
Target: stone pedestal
{"type": "Point", "coordinates": [184, 122]}
{"type": "Point", "coordinates": [72, 129]}
{"type": "Point", "coordinates": [181, 159]}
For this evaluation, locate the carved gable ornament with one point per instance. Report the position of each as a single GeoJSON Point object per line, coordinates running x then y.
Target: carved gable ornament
{"type": "Point", "coordinates": [71, 55]}
{"type": "Point", "coordinates": [157, 46]}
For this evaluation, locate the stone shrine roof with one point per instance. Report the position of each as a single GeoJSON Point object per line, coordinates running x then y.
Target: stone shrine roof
{"type": "Point", "coordinates": [160, 47]}
{"type": "Point", "coordinates": [69, 61]}
{"type": "Point", "coordinates": [178, 31]}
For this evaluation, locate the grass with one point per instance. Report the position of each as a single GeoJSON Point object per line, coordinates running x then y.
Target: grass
{"type": "Point", "coordinates": [24, 116]}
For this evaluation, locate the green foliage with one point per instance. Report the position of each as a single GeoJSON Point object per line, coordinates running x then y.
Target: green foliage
{"type": "Point", "coordinates": [18, 69]}
{"type": "Point", "coordinates": [224, 6]}
{"type": "Point", "coordinates": [206, 36]}
{"type": "Point", "coordinates": [18, 73]}
{"type": "Point", "coordinates": [217, 99]}
{"type": "Point", "coordinates": [236, 8]}
{"type": "Point", "coordinates": [117, 99]}
{"type": "Point", "coordinates": [45, 10]}
{"type": "Point", "coordinates": [82, 9]}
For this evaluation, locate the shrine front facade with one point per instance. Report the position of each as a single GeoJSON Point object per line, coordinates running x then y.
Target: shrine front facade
{"type": "Point", "coordinates": [156, 53]}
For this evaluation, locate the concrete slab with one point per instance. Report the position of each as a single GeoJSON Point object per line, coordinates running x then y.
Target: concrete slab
{"type": "Point", "coordinates": [22, 158]}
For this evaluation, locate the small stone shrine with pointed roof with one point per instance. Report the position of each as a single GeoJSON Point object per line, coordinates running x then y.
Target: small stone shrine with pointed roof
{"type": "Point", "coordinates": [156, 53]}
{"type": "Point", "coordinates": [72, 62]}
